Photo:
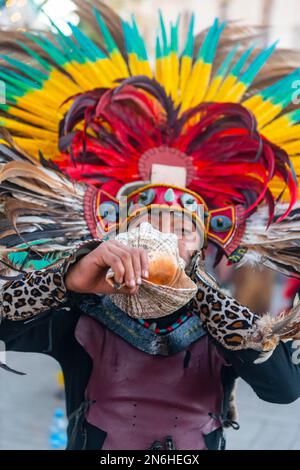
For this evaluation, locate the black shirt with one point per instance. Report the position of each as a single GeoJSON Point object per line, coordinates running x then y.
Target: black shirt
{"type": "Point", "coordinates": [277, 380]}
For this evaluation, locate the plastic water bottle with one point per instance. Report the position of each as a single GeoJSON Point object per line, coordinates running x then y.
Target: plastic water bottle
{"type": "Point", "coordinates": [58, 427]}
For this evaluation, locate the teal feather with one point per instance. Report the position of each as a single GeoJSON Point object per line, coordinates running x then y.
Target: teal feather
{"type": "Point", "coordinates": [224, 67]}
{"type": "Point", "coordinates": [26, 69]}
{"type": "Point", "coordinates": [276, 88]}
{"type": "Point", "coordinates": [12, 91]}
{"type": "Point", "coordinates": [165, 47]}
{"type": "Point", "coordinates": [56, 55]}
{"type": "Point", "coordinates": [294, 116]}
{"type": "Point", "coordinates": [281, 93]}
{"type": "Point", "coordinates": [91, 51]}
{"type": "Point", "coordinates": [248, 76]}
{"type": "Point", "coordinates": [127, 37]}
{"type": "Point", "coordinates": [174, 38]}
{"type": "Point", "coordinates": [240, 63]}
{"type": "Point", "coordinates": [142, 51]}
{"type": "Point", "coordinates": [19, 85]}
{"type": "Point", "coordinates": [158, 49]}
{"type": "Point", "coordinates": [107, 37]}
{"type": "Point", "coordinates": [189, 45]}
{"type": "Point", "coordinates": [207, 41]}
{"type": "Point", "coordinates": [71, 50]}
{"type": "Point", "coordinates": [132, 41]}
{"type": "Point", "coordinates": [14, 75]}
{"type": "Point", "coordinates": [36, 56]}
{"type": "Point", "coordinates": [10, 101]}
{"type": "Point", "coordinates": [211, 51]}
{"type": "Point", "coordinates": [22, 259]}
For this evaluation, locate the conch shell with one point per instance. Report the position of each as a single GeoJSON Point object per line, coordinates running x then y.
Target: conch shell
{"type": "Point", "coordinates": [168, 287]}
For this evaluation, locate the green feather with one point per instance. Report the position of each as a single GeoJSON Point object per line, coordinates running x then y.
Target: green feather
{"type": "Point", "coordinates": [294, 116]}
{"type": "Point", "coordinates": [92, 52]}
{"type": "Point", "coordinates": [237, 68]}
{"type": "Point", "coordinates": [224, 67]}
{"type": "Point", "coordinates": [141, 48]}
{"type": "Point", "coordinates": [248, 76]}
{"type": "Point", "coordinates": [174, 37]}
{"type": "Point", "coordinates": [165, 47]}
{"type": "Point", "coordinates": [158, 49]}
{"type": "Point", "coordinates": [108, 39]}
{"type": "Point", "coordinates": [53, 52]}
{"type": "Point", "coordinates": [36, 56]}
{"type": "Point", "coordinates": [189, 45]}
{"type": "Point", "coordinates": [207, 41]}
{"type": "Point", "coordinates": [26, 69]}
{"type": "Point", "coordinates": [70, 49]}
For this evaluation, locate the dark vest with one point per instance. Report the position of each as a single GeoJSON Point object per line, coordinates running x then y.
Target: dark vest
{"type": "Point", "coordinates": [145, 386]}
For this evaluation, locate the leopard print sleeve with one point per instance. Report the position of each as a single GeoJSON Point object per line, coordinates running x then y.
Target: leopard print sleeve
{"type": "Point", "coordinates": [34, 293]}
{"type": "Point", "coordinates": [234, 326]}
{"type": "Point", "coordinates": [38, 291]}
{"type": "Point", "coordinates": [225, 319]}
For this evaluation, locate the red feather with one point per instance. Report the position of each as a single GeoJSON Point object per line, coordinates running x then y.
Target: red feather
{"type": "Point", "coordinates": [234, 163]}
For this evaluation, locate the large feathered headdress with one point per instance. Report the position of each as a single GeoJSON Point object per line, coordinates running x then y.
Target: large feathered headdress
{"type": "Point", "coordinates": [88, 121]}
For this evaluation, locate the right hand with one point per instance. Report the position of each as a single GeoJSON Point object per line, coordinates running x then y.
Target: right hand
{"type": "Point", "coordinates": [88, 275]}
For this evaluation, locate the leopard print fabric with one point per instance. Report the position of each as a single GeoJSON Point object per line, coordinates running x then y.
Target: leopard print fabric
{"type": "Point", "coordinates": [38, 291]}
{"type": "Point", "coordinates": [225, 319]}
{"type": "Point", "coordinates": [34, 293]}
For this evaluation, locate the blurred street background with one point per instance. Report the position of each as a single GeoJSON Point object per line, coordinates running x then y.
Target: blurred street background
{"type": "Point", "coordinates": [27, 403]}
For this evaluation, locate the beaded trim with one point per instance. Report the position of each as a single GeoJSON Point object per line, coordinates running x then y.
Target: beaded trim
{"type": "Point", "coordinates": [162, 331]}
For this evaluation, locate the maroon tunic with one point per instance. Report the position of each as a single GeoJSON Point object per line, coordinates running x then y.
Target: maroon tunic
{"type": "Point", "coordinates": [141, 398]}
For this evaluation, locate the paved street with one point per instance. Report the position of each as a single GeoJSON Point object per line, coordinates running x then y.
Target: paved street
{"type": "Point", "coordinates": [27, 404]}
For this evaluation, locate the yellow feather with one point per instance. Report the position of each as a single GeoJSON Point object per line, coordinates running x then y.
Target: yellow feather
{"type": "Point", "coordinates": [266, 112]}
{"type": "Point", "coordinates": [106, 71]}
{"type": "Point", "coordinates": [105, 75]}
{"type": "Point", "coordinates": [166, 77]}
{"type": "Point", "coordinates": [276, 127]}
{"type": "Point", "coordinates": [212, 89]}
{"type": "Point", "coordinates": [81, 75]}
{"type": "Point", "coordinates": [202, 84]}
{"type": "Point", "coordinates": [283, 135]}
{"type": "Point", "coordinates": [145, 68]}
{"type": "Point", "coordinates": [185, 70]}
{"type": "Point", "coordinates": [292, 148]}
{"type": "Point", "coordinates": [158, 70]}
{"type": "Point", "coordinates": [253, 102]}
{"type": "Point", "coordinates": [33, 103]}
{"type": "Point", "coordinates": [295, 159]}
{"type": "Point", "coordinates": [192, 85]}
{"type": "Point", "coordinates": [33, 119]}
{"type": "Point", "coordinates": [120, 64]}
{"type": "Point", "coordinates": [60, 82]}
{"type": "Point", "coordinates": [277, 186]}
{"type": "Point", "coordinates": [174, 74]}
{"type": "Point", "coordinates": [31, 131]}
{"type": "Point", "coordinates": [225, 88]}
{"type": "Point", "coordinates": [236, 94]}
{"type": "Point", "coordinates": [134, 64]}
{"type": "Point", "coordinates": [31, 146]}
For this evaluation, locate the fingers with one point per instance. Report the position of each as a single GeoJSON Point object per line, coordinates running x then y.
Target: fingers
{"type": "Point", "coordinates": [140, 262]}
{"type": "Point", "coordinates": [144, 262]}
{"type": "Point", "coordinates": [126, 256]}
{"type": "Point", "coordinates": [137, 265]}
{"type": "Point", "coordinates": [129, 264]}
{"type": "Point", "coordinates": [127, 290]}
{"type": "Point", "coordinates": [114, 261]}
